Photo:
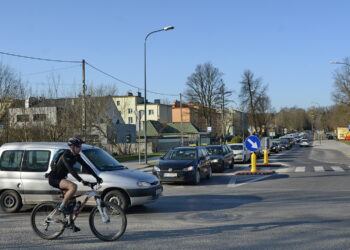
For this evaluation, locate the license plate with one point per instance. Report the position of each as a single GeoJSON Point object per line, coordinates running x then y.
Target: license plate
{"type": "Point", "coordinates": [170, 174]}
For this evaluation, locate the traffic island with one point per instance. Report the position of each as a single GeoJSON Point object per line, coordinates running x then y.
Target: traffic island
{"type": "Point", "coordinates": [258, 172]}
{"type": "Point", "coordinates": [269, 165]}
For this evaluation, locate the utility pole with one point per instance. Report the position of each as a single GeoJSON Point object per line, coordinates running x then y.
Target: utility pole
{"type": "Point", "coordinates": [84, 103]}
{"type": "Point", "coordinates": [181, 127]}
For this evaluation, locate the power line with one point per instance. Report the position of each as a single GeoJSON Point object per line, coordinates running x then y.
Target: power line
{"type": "Point", "coordinates": [129, 84]}
{"type": "Point", "coordinates": [67, 61]}
{"type": "Point", "coordinates": [48, 71]}
{"type": "Point", "coordinates": [38, 58]}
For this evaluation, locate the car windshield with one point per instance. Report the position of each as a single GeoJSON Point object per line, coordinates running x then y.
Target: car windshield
{"type": "Point", "coordinates": [236, 147]}
{"type": "Point", "coordinates": [181, 154]}
{"type": "Point", "coordinates": [214, 150]}
{"type": "Point", "coordinates": [102, 160]}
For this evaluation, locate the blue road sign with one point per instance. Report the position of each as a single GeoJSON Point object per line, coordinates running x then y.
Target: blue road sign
{"type": "Point", "coordinates": [252, 143]}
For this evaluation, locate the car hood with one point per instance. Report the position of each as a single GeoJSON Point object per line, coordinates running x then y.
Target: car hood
{"type": "Point", "coordinates": [176, 164]}
{"type": "Point", "coordinates": [238, 151]}
{"type": "Point", "coordinates": [131, 175]}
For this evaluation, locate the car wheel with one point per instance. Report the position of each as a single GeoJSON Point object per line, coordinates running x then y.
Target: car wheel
{"type": "Point", "coordinates": [10, 201]}
{"type": "Point", "coordinates": [210, 173]}
{"type": "Point", "coordinates": [232, 164]}
{"type": "Point", "coordinates": [197, 178]}
{"type": "Point", "coordinates": [117, 197]}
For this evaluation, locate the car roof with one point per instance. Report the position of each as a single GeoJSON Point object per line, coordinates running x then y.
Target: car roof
{"type": "Point", "coordinates": [186, 147]}
{"type": "Point", "coordinates": [46, 145]}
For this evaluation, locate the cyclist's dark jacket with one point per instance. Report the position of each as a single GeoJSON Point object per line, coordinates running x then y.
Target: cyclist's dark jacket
{"type": "Point", "coordinates": [65, 166]}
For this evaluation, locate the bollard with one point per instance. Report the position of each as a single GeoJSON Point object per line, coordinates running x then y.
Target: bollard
{"type": "Point", "coordinates": [266, 157]}
{"type": "Point", "coordinates": [253, 162]}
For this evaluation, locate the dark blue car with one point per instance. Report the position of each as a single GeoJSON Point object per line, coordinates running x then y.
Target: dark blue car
{"type": "Point", "coordinates": [184, 164]}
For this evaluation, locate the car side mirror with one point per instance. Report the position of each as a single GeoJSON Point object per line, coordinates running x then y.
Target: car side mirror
{"type": "Point", "coordinates": [162, 158]}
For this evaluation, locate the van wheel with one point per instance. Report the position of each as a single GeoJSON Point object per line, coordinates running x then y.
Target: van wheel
{"type": "Point", "coordinates": [117, 197]}
{"type": "Point", "coordinates": [10, 201]}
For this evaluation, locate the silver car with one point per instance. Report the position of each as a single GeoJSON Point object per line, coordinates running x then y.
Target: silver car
{"type": "Point", "coordinates": [23, 167]}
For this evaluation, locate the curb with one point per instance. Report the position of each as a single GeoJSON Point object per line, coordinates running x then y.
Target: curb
{"type": "Point", "coordinates": [270, 165]}
{"type": "Point", "coordinates": [259, 172]}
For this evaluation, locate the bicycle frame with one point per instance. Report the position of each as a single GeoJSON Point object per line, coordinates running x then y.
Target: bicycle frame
{"type": "Point", "coordinates": [99, 204]}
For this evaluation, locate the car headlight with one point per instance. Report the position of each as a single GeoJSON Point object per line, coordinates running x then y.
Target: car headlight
{"type": "Point", "coordinates": [215, 160]}
{"type": "Point", "coordinates": [143, 184]}
{"type": "Point", "coordinates": [155, 168]}
{"type": "Point", "coordinates": [190, 168]}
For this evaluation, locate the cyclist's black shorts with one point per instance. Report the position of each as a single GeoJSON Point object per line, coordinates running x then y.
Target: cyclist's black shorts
{"type": "Point", "coordinates": [55, 182]}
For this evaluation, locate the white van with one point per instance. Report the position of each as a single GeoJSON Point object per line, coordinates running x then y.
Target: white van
{"type": "Point", "coordinates": [23, 167]}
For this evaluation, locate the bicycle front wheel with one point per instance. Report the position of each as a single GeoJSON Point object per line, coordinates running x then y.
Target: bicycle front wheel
{"type": "Point", "coordinates": [112, 228]}
{"type": "Point", "coordinates": [47, 221]}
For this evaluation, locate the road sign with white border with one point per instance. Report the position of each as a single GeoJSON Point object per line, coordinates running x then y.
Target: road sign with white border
{"type": "Point", "coordinates": [252, 143]}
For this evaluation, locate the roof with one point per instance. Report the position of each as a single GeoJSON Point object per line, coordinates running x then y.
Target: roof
{"type": "Point", "coordinates": [47, 145]}
{"type": "Point", "coordinates": [156, 128]}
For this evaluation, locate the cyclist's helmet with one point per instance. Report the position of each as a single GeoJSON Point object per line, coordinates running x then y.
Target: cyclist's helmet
{"type": "Point", "coordinates": [74, 141]}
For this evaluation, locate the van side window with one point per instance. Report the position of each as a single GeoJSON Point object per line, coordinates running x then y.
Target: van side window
{"type": "Point", "coordinates": [36, 160]}
{"type": "Point", "coordinates": [11, 160]}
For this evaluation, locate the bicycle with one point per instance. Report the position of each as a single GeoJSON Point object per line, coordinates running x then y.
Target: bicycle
{"type": "Point", "coordinates": [49, 223]}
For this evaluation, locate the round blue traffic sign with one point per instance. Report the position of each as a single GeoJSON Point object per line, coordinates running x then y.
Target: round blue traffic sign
{"type": "Point", "coordinates": [252, 143]}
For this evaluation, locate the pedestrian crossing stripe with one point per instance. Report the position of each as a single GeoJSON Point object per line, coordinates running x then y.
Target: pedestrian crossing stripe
{"type": "Point", "coordinates": [303, 169]}
{"type": "Point", "coordinates": [337, 169]}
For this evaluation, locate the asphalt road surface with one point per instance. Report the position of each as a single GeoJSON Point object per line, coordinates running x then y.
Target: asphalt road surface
{"type": "Point", "coordinates": [305, 205]}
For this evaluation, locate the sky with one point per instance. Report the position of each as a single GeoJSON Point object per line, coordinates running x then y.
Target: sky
{"type": "Point", "coordinates": [288, 44]}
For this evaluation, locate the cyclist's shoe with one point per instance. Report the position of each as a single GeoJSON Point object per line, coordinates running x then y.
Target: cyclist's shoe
{"type": "Point", "coordinates": [64, 210]}
{"type": "Point", "coordinates": [75, 228]}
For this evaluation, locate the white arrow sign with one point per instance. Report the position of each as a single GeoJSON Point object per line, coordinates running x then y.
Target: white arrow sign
{"type": "Point", "coordinates": [254, 144]}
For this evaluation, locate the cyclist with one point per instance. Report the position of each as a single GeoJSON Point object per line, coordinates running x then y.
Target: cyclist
{"type": "Point", "coordinates": [58, 175]}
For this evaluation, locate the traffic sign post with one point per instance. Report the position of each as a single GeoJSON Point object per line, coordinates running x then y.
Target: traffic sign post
{"type": "Point", "coordinates": [252, 143]}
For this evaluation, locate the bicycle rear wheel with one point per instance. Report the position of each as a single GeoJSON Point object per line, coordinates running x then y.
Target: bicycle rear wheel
{"type": "Point", "coordinates": [47, 221]}
{"type": "Point", "coordinates": [111, 230]}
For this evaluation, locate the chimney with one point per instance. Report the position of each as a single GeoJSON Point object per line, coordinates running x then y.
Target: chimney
{"type": "Point", "coordinates": [157, 101]}
{"type": "Point", "coordinates": [139, 94]}
{"type": "Point", "coordinates": [130, 94]}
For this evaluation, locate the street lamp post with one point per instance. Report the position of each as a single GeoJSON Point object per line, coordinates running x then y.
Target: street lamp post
{"type": "Point", "coordinates": [145, 87]}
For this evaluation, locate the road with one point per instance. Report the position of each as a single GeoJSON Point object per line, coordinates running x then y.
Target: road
{"type": "Point", "coordinates": [303, 206]}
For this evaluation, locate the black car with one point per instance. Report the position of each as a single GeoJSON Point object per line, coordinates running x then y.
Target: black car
{"type": "Point", "coordinates": [275, 147]}
{"type": "Point", "coordinates": [221, 157]}
{"type": "Point", "coordinates": [184, 164]}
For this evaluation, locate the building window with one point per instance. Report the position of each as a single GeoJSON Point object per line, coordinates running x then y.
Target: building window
{"type": "Point", "coordinates": [130, 120]}
{"type": "Point", "coordinates": [22, 118]}
{"type": "Point", "coordinates": [151, 112]}
{"type": "Point", "coordinates": [118, 103]}
{"type": "Point", "coordinates": [129, 111]}
{"type": "Point", "coordinates": [39, 117]}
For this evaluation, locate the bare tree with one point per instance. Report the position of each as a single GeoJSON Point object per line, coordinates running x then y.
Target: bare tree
{"type": "Point", "coordinates": [341, 94]}
{"type": "Point", "coordinates": [204, 89]}
{"type": "Point", "coordinates": [253, 95]}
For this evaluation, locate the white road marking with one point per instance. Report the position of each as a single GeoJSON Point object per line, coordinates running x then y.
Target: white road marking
{"type": "Point", "coordinates": [234, 178]}
{"type": "Point", "coordinates": [319, 169]}
{"type": "Point", "coordinates": [300, 169]}
{"type": "Point", "coordinates": [285, 170]}
{"type": "Point", "coordinates": [337, 169]}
